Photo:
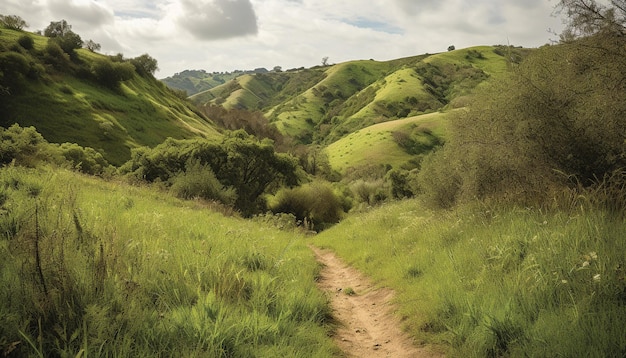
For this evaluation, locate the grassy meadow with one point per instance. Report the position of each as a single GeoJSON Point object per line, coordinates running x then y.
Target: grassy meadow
{"type": "Point", "coordinates": [94, 268]}
{"type": "Point", "coordinates": [492, 282]}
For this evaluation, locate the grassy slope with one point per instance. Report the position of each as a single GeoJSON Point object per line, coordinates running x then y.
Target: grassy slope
{"type": "Point", "coordinates": [67, 109]}
{"type": "Point", "coordinates": [375, 145]}
{"type": "Point", "coordinates": [497, 282]}
{"type": "Point", "coordinates": [133, 272]}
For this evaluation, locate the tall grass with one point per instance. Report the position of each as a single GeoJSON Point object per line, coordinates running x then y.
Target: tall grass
{"type": "Point", "coordinates": [96, 268]}
{"type": "Point", "coordinates": [498, 282]}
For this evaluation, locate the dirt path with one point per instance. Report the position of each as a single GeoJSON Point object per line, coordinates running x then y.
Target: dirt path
{"type": "Point", "coordinates": [367, 326]}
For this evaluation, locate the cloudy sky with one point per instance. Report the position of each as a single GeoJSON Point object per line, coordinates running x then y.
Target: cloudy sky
{"type": "Point", "coordinates": [227, 35]}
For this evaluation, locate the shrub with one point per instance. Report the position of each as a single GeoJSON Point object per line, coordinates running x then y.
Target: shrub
{"type": "Point", "coordinates": [314, 204]}
{"type": "Point", "coordinates": [25, 146]}
{"type": "Point", "coordinates": [26, 42]}
{"type": "Point", "coordinates": [86, 160]}
{"type": "Point", "coordinates": [199, 181]}
{"type": "Point", "coordinates": [111, 74]}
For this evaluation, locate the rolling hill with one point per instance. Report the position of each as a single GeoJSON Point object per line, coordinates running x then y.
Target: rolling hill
{"type": "Point", "coordinates": [323, 104]}
{"type": "Point", "coordinates": [62, 97]}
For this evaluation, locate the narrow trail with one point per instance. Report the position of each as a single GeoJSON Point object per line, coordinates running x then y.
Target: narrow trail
{"type": "Point", "coordinates": [367, 326]}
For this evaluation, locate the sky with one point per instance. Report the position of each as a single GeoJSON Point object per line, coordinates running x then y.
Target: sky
{"type": "Point", "coordinates": [228, 35]}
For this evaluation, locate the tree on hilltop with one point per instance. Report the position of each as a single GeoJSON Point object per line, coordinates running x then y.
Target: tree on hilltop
{"type": "Point", "coordinates": [12, 22]}
{"type": "Point", "coordinates": [61, 33]}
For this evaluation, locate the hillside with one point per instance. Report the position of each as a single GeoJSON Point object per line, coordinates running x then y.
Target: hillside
{"type": "Point", "coordinates": [73, 99]}
{"type": "Point", "coordinates": [323, 104]}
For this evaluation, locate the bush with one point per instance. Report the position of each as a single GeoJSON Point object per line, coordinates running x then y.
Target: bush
{"type": "Point", "coordinates": [111, 74]}
{"type": "Point", "coordinates": [86, 160]}
{"type": "Point", "coordinates": [199, 181]}
{"type": "Point", "coordinates": [24, 146]}
{"type": "Point", "coordinates": [26, 42]}
{"type": "Point", "coordinates": [314, 204]}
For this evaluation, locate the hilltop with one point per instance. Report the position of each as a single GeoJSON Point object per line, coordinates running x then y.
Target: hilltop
{"type": "Point", "coordinates": [104, 102]}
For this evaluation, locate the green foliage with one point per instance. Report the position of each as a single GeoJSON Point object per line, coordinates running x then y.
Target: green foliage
{"type": "Point", "coordinates": [110, 74]}
{"type": "Point", "coordinates": [240, 162]}
{"type": "Point", "coordinates": [145, 65]}
{"type": "Point", "coordinates": [24, 146]}
{"type": "Point", "coordinates": [199, 181]}
{"type": "Point", "coordinates": [86, 160]}
{"type": "Point", "coordinates": [558, 116]}
{"type": "Point", "coordinates": [14, 68]}
{"type": "Point", "coordinates": [315, 204]}
{"type": "Point", "coordinates": [12, 22]}
{"type": "Point", "coordinates": [26, 42]}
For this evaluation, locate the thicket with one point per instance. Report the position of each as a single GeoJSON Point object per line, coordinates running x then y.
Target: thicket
{"type": "Point", "coordinates": [241, 163]}
{"type": "Point", "coordinates": [316, 204]}
{"type": "Point", "coordinates": [26, 147]}
{"type": "Point", "coordinates": [556, 121]}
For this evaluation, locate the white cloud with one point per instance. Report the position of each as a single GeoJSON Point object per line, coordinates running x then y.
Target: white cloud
{"type": "Point", "coordinates": [216, 19]}
{"type": "Point", "coordinates": [224, 35]}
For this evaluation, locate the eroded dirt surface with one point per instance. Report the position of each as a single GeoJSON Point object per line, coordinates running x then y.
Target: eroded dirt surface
{"type": "Point", "coordinates": [367, 326]}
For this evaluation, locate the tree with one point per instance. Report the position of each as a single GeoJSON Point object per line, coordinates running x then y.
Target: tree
{"type": "Point", "coordinates": [61, 32]}
{"type": "Point", "coordinates": [92, 46]}
{"type": "Point", "coordinates": [145, 65]}
{"type": "Point", "coordinates": [12, 22]}
{"type": "Point", "coordinates": [325, 61]}
{"type": "Point", "coordinates": [587, 17]}
{"type": "Point", "coordinates": [57, 29]}
{"type": "Point", "coordinates": [451, 48]}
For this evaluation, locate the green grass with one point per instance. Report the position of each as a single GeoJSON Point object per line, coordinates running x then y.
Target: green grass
{"type": "Point", "coordinates": [101, 268]}
{"type": "Point", "coordinates": [497, 282]}
{"type": "Point", "coordinates": [375, 145]}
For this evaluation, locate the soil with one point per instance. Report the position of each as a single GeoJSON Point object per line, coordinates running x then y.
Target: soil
{"type": "Point", "coordinates": [367, 326]}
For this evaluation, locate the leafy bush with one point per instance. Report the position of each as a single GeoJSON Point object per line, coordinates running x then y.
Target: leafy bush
{"type": "Point", "coordinates": [26, 42]}
{"type": "Point", "coordinates": [13, 68]}
{"type": "Point", "coordinates": [54, 55]}
{"type": "Point", "coordinates": [314, 204]}
{"type": "Point", "coordinates": [251, 167]}
{"type": "Point", "coordinates": [86, 160]}
{"type": "Point", "coordinates": [25, 146]}
{"type": "Point", "coordinates": [110, 74]}
{"type": "Point", "coordinates": [199, 181]}
{"type": "Point", "coordinates": [558, 116]}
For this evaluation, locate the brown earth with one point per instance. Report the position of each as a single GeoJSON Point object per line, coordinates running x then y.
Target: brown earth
{"type": "Point", "coordinates": [367, 326]}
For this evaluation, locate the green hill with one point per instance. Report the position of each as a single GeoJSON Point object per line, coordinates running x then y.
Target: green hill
{"type": "Point", "coordinates": [323, 104]}
{"type": "Point", "coordinates": [396, 143]}
{"type": "Point", "coordinates": [68, 99]}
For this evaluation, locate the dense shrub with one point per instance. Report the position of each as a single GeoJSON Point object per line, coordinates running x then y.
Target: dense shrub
{"type": "Point", "coordinates": [86, 160]}
{"type": "Point", "coordinates": [26, 42]}
{"type": "Point", "coordinates": [14, 67]}
{"type": "Point", "coordinates": [314, 204]}
{"type": "Point", "coordinates": [251, 167]}
{"type": "Point", "coordinates": [559, 115]}
{"type": "Point", "coordinates": [199, 181]}
{"type": "Point", "coordinates": [23, 146]}
{"type": "Point", "coordinates": [111, 74]}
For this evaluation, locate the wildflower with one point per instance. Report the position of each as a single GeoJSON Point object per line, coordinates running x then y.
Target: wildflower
{"type": "Point", "coordinates": [593, 255]}
{"type": "Point", "coordinates": [564, 281]}
{"type": "Point", "coordinates": [586, 263]}
{"type": "Point", "coordinates": [596, 277]}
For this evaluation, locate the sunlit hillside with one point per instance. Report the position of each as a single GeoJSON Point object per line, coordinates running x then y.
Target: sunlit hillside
{"type": "Point", "coordinates": [66, 101]}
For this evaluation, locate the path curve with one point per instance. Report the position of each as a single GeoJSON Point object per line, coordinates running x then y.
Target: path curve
{"type": "Point", "coordinates": [367, 325]}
